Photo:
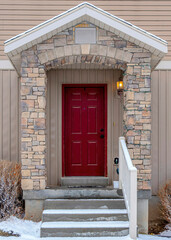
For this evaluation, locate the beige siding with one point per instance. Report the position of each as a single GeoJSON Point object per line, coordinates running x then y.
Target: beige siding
{"type": "Point", "coordinates": [20, 15]}
{"type": "Point", "coordinates": [9, 115]}
{"type": "Point", "coordinates": [161, 128]}
{"type": "Point", "coordinates": [55, 80]}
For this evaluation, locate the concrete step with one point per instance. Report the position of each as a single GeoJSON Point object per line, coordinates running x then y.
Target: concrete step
{"type": "Point", "coordinates": [84, 229]}
{"type": "Point", "coordinates": [85, 181]}
{"type": "Point", "coordinates": [52, 215]}
{"type": "Point", "coordinates": [84, 204]}
{"type": "Point", "coordinates": [74, 193]}
{"type": "Point", "coordinates": [91, 238]}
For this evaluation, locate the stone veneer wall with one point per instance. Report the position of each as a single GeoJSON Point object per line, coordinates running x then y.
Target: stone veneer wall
{"type": "Point", "coordinates": [60, 50]}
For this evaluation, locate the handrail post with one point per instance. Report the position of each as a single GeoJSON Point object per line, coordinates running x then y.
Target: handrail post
{"type": "Point", "coordinates": [133, 204]}
{"type": "Point", "coordinates": [120, 162]}
{"type": "Point", "coordinates": [128, 184]}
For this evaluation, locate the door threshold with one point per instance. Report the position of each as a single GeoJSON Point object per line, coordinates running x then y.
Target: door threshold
{"type": "Point", "coordinates": [85, 181]}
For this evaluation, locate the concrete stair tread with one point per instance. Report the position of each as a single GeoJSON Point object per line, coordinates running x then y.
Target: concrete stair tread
{"type": "Point", "coordinates": [84, 204]}
{"type": "Point", "coordinates": [85, 211]}
{"type": "Point", "coordinates": [88, 225]}
{"type": "Point", "coordinates": [89, 238]}
{"type": "Point", "coordinates": [83, 200]}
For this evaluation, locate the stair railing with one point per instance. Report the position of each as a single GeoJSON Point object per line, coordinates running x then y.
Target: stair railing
{"type": "Point", "coordinates": [128, 184]}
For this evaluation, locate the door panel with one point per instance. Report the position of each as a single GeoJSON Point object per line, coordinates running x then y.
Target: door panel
{"type": "Point", "coordinates": [84, 118]}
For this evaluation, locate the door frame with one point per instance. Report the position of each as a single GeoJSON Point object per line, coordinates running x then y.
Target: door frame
{"type": "Point", "coordinates": [63, 122]}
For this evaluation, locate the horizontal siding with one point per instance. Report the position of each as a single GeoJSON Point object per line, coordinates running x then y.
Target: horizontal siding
{"type": "Point", "coordinates": [18, 16]}
{"type": "Point", "coordinates": [161, 128]}
{"type": "Point", "coordinates": [9, 115]}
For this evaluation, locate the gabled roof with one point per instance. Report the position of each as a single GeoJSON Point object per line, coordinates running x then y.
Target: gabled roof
{"type": "Point", "coordinates": [86, 12]}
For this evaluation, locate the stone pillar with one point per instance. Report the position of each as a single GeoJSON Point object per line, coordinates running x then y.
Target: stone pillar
{"type": "Point", "coordinates": [33, 122]}
{"type": "Point", "coordinates": [137, 116]}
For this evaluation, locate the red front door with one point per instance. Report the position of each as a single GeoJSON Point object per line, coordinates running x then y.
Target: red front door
{"type": "Point", "coordinates": [84, 131]}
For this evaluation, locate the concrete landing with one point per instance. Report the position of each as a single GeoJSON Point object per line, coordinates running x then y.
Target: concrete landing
{"type": "Point", "coordinates": [84, 181]}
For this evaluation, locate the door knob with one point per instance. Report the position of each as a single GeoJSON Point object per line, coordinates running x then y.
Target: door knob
{"type": "Point", "coordinates": [101, 136]}
{"type": "Point", "coordinates": [101, 130]}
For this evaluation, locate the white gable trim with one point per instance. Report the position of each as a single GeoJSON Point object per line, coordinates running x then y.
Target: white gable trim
{"type": "Point", "coordinates": [86, 11]}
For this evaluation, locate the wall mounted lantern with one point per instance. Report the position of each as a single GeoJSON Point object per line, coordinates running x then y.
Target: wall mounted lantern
{"type": "Point", "coordinates": [120, 85]}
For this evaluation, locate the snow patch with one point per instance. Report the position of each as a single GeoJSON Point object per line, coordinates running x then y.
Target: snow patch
{"type": "Point", "coordinates": [29, 230]}
{"type": "Point", "coordinates": [25, 228]}
{"type": "Point", "coordinates": [167, 232]}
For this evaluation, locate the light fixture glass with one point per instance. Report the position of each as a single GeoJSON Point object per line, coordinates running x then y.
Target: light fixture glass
{"type": "Point", "coordinates": [119, 85]}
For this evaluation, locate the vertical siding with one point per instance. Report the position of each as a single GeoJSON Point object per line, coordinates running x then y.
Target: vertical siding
{"type": "Point", "coordinates": [9, 115]}
{"type": "Point", "coordinates": [161, 128]}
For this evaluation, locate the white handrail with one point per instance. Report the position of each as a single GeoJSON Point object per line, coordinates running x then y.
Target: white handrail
{"type": "Point", "coordinates": [128, 184]}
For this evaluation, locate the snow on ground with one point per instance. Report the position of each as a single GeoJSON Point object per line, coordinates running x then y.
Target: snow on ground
{"type": "Point", "coordinates": [167, 232]}
{"type": "Point", "coordinates": [29, 230]}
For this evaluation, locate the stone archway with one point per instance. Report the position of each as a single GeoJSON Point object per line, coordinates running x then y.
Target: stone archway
{"type": "Point", "coordinates": [111, 51]}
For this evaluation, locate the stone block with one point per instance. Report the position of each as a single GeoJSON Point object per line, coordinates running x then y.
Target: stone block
{"type": "Point", "coordinates": [45, 46]}
{"type": "Point", "coordinates": [119, 54]}
{"type": "Point", "coordinates": [139, 96]}
{"type": "Point", "coordinates": [25, 162]}
{"type": "Point", "coordinates": [85, 49]}
{"type": "Point", "coordinates": [102, 32]}
{"type": "Point", "coordinates": [60, 41]}
{"type": "Point", "coordinates": [27, 104]}
{"type": "Point", "coordinates": [120, 43]}
{"type": "Point", "coordinates": [94, 49]}
{"type": "Point", "coordinates": [43, 58]}
{"type": "Point", "coordinates": [111, 52]}
{"type": "Point", "coordinates": [25, 114]}
{"type": "Point", "coordinates": [68, 50]}
{"type": "Point", "coordinates": [127, 56]}
{"type": "Point", "coordinates": [42, 184]}
{"type": "Point", "coordinates": [41, 138]}
{"type": "Point", "coordinates": [39, 124]}
{"type": "Point", "coordinates": [142, 55]}
{"type": "Point", "coordinates": [39, 148]}
{"type": "Point", "coordinates": [26, 139]}
{"type": "Point", "coordinates": [76, 50]}
{"type": "Point", "coordinates": [103, 50]}
{"type": "Point", "coordinates": [25, 173]}
{"type": "Point", "coordinates": [42, 102]}
{"type": "Point", "coordinates": [25, 90]}
{"type": "Point", "coordinates": [130, 70]}
{"type": "Point", "coordinates": [27, 184]}
{"type": "Point", "coordinates": [51, 55]}
{"type": "Point", "coordinates": [40, 82]}
{"type": "Point", "coordinates": [59, 52]}
{"type": "Point", "coordinates": [129, 95]}
{"type": "Point", "coordinates": [147, 126]}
